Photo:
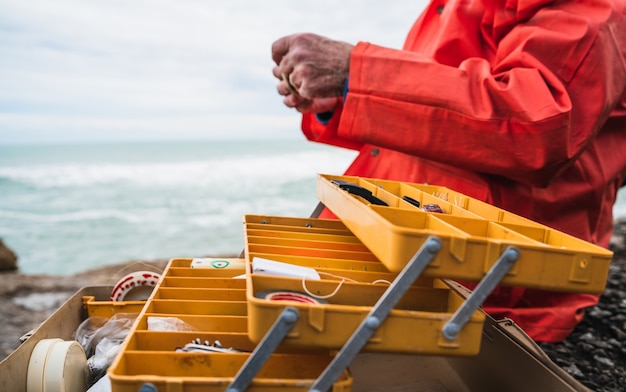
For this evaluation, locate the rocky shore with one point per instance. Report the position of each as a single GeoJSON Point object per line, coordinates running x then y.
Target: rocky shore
{"type": "Point", "coordinates": [595, 353]}
{"type": "Point", "coordinates": [28, 300]}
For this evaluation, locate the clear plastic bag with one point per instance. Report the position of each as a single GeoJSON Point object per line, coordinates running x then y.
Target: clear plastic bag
{"type": "Point", "coordinates": [101, 339]}
{"type": "Point", "coordinates": [92, 330]}
{"type": "Point", "coordinates": [106, 351]}
{"type": "Point", "coordinates": [165, 324]}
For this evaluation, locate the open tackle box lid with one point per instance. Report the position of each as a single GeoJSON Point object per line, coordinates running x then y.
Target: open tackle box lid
{"type": "Point", "coordinates": [390, 218]}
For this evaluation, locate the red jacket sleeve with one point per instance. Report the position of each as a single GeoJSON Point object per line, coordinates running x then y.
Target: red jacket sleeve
{"type": "Point", "coordinates": [315, 131]}
{"type": "Point", "coordinates": [525, 110]}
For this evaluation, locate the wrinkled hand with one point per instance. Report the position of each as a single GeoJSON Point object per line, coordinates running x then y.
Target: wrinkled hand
{"type": "Point", "coordinates": [315, 66]}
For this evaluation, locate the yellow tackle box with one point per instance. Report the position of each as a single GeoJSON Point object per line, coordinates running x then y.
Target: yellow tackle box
{"type": "Point", "coordinates": [210, 304]}
{"type": "Point", "coordinates": [352, 281]}
{"type": "Point", "coordinates": [488, 371]}
{"type": "Point", "coordinates": [389, 217]}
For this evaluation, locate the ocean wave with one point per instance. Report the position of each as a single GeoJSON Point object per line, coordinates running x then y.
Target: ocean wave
{"type": "Point", "coordinates": [74, 216]}
{"type": "Point", "coordinates": [214, 172]}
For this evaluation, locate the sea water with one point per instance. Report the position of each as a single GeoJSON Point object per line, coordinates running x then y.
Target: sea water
{"type": "Point", "coordinates": [72, 207]}
{"type": "Point", "coordinates": [69, 208]}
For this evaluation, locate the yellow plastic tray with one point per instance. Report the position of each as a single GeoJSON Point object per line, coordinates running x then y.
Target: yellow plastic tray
{"type": "Point", "coordinates": [413, 326]}
{"type": "Point", "coordinates": [212, 303]}
{"type": "Point", "coordinates": [365, 269]}
{"type": "Point", "coordinates": [474, 234]}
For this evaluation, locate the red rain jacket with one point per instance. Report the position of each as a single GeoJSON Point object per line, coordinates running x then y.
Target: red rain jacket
{"type": "Point", "coordinates": [517, 103]}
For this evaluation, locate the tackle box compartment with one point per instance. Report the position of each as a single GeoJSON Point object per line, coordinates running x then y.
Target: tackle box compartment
{"type": "Point", "coordinates": [107, 308]}
{"type": "Point", "coordinates": [207, 306]}
{"type": "Point", "coordinates": [473, 234]}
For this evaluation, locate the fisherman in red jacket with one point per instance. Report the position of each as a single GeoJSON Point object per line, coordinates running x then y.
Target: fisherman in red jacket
{"type": "Point", "coordinates": [517, 103]}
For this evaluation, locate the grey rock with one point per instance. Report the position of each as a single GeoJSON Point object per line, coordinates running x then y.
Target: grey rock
{"type": "Point", "coordinates": [8, 258]}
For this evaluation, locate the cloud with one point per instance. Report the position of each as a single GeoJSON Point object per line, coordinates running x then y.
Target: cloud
{"type": "Point", "coordinates": [76, 70]}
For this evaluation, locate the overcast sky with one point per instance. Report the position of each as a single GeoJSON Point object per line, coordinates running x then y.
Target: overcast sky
{"type": "Point", "coordinates": [73, 70]}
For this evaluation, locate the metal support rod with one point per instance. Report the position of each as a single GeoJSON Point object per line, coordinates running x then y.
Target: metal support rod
{"type": "Point", "coordinates": [495, 274]}
{"type": "Point", "coordinates": [377, 315]}
{"type": "Point", "coordinates": [283, 324]}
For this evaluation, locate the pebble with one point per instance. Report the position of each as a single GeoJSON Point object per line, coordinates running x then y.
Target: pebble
{"type": "Point", "coordinates": [573, 370]}
{"type": "Point", "coordinates": [604, 361]}
{"type": "Point", "coordinates": [595, 353]}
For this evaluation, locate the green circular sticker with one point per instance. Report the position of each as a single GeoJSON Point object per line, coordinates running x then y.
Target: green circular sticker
{"type": "Point", "coordinates": [220, 263]}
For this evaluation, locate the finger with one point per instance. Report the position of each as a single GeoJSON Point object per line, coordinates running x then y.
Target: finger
{"type": "Point", "coordinates": [304, 106]}
{"type": "Point", "coordinates": [282, 89]}
{"type": "Point", "coordinates": [292, 101]}
{"type": "Point", "coordinates": [280, 47]}
{"type": "Point", "coordinates": [292, 89]}
{"type": "Point", "coordinates": [294, 78]}
{"type": "Point", "coordinates": [277, 73]}
{"type": "Point", "coordinates": [303, 89]}
{"type": "Point", "coordinates": [298, 83]}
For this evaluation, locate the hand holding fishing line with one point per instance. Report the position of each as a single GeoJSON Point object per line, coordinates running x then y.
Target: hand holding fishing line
{"type": "Point", "coordinates": [312, 71]}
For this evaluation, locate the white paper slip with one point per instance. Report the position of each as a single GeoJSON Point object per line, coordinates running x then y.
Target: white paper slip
{"type": "Point", "coordinates": [263, 266]}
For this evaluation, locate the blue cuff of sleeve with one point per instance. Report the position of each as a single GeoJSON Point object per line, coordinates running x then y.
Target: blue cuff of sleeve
{"type": "Point", "coordinates": [324, 118]}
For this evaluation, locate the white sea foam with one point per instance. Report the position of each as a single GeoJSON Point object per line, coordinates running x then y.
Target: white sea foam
{"type": "Point", "coordinates": [214, 172]}
{"type": "Point", "coordinates": [77, 216]}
